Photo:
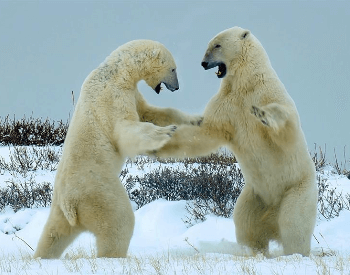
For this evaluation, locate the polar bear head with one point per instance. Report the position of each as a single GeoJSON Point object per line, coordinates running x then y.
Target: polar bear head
{"type": "Point", "coordinates": [141, 60]}
{"type": "Point", "coordinates": [158, 66]}
{"type": "Point", "coordinates": [229, 50]}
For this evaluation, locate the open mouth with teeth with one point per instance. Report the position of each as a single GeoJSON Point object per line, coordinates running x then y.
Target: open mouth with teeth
{"type": "Point", "coordinates": [158, 88]}
{"type": "Point", "coordinates": [221, 71]}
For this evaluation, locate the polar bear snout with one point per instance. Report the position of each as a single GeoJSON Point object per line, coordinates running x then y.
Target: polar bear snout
{"type": "Point", "coordinates": [205, 65]}
{"type": "Point", "coordinates": [209, 65]}
{"type": "Point", "coordinates": [172, 87]}
{"type": "Point", "coordinates": [170, 81]}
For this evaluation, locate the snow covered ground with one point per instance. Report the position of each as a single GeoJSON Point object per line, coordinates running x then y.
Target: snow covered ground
{"type": "Point", "coordinates": [162, 244]}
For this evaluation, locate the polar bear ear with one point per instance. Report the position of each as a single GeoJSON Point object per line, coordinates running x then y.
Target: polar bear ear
{"type": "Point", "coordinates": [245, 34]}
{"type": "Point", "coordinates": [155, 52]}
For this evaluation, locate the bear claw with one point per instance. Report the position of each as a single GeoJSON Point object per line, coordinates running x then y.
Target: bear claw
{"type": "Point", "coordinates": [260, 114]}
{"type": "Point", "coordinates": [172, 130]}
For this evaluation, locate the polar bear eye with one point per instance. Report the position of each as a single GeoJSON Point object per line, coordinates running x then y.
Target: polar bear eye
{"type": "Point", "coordinates": [217, 46]}
{"type": "Point", "coordinates": [173, 70]}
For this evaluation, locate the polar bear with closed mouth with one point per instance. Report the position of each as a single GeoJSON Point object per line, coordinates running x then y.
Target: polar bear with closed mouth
{"type": "Point", "coordinates": [254, 116]}
{"type": "Point", "coordinates": [111, 121]}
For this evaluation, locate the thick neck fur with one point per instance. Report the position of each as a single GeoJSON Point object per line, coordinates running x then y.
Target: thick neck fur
{"type": "Point", "coordinates": [248, 70]}
{"type": "Point", "coordinates": [122, 69]}
{"type": "Point", "coordinates": [116, 78]}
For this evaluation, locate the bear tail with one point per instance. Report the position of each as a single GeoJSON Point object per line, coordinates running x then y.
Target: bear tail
{"type": "Point", "coordinates": [70, 212]}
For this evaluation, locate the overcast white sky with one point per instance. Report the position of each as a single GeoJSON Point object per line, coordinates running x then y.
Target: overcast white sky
{"type": "Point", "coordinates": [47, 48]}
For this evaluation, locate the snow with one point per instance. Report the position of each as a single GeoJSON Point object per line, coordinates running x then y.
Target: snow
{"type": "Point", "coordinates": [162, 244]}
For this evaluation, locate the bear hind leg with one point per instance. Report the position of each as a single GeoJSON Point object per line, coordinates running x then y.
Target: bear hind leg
{"type": "Point", "coordinates": [56, 236]}
{"type": "Point", "coordinates": [112, 244]}
{"type": "Point", "coordinates": [114, 237]}
{"type": "Point", "coordinates": [255, 222]}
{"type": "Point", "coordinates": [111, 220]}
{"type": "Point", "coordinates": [297, 217]}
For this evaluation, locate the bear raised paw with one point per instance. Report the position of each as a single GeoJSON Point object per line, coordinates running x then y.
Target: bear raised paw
{"type": "Point", "coordinates": [254, 116]}
{"type": "Point", "coordinates": [111, 121]}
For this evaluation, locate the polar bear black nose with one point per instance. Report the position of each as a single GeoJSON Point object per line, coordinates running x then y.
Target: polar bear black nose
{"type": "Point", "coordinates": [205, 64]}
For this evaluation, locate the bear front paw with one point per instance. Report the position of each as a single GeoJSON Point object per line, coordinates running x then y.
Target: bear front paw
{"type": "Point", "coordinates": [160, 137]}
{"type": "Point", "coordinates": [171, 129]}
{"type": "Point", "coordinates": [260, 114]}
{"type": "Point", "coordinates": [196, 120]}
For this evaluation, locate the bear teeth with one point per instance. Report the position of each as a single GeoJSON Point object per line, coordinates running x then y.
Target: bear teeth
{"type": "Point", "coordinates": [218, 73]}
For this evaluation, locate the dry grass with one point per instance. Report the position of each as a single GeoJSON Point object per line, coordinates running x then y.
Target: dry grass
{"type": "Point", "coordinates": [167, 263]}
{"type": "Point", "coordinates": [32, 131]}
{"type": "Point", "coordinates": [82, 260]}
{"type": "Point", "coordinates": [211, 184]}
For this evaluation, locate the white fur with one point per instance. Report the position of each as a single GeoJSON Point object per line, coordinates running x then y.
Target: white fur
{"type": "Point", "coordinates": [111, 121]}
{"type": "Point", "coordinates": [254, 116]}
